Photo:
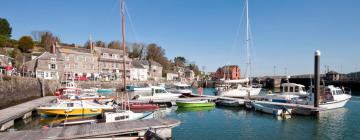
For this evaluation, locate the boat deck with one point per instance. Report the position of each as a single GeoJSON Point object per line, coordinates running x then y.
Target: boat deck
{"type": "Point", "coordinates": [100, 130]}
{"type": "Point", "coordinates": [14, 112]}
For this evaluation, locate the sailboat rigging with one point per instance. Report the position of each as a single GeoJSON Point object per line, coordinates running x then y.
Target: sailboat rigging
{"type": "Point", "coordinates": [238, 90]}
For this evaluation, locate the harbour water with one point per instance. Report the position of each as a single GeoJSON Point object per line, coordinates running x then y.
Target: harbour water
{"type": "Point", "coordinates": [236, 123]}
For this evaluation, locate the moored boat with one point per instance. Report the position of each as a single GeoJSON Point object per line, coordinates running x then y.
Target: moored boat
{"type": "Point", "coordinates": [195, 103]}
{"type": "Point", "coordinates": [180, 88]}
{"type": "Point", "coordinates": [229, 103]}
{"type": "Point", "coordinates": [271, 109]}
{"type": "Point", "coordinates": [73, 108]}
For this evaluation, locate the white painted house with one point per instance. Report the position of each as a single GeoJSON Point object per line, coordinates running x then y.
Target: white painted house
{"type": "Point", "coordinates": [138, 72]}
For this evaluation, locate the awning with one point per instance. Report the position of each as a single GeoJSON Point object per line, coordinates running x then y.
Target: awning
{"type": "Point", "coordinates": [8, 68]}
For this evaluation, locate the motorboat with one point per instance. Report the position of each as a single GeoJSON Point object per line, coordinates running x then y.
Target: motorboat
{"type": "Point", "coordinates": [73, 108]}
{"type": "Point", "coordinates": [332, 98]}
{"type": "Point", "coordinates": [125, 115]}
{"type": "Point", "coordinates": [229, 103]}
{"type": "Point", "coordinates": [135, 88]}
{"type": "Point", "coordinates": [195, 103]}
{"type": "Point", "coordinates": [157, 93]}
{"type": "Point", "coordinates": [271, 109]}
{"type": "Point", "coordinates": [238, 91]}
{"type": "Point", "coordinates": [181, 89]}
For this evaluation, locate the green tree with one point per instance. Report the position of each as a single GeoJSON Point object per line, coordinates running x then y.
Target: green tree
{"type": "Point", "coordinates": [25, 44]}
{"type": "Point", "coordinates": [194, 68]}
{"type": "Point", "coordinates": [100, 43]}
{"type": "Point", "coordinates": [179, 61]}
{"type": "Point", "coordinates": [5, 29]}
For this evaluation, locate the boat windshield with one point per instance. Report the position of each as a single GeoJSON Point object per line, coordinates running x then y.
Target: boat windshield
{"type": "Point", "coordinates": [182, 87]}
{"type": "Point", "coordinates": [160, 91]}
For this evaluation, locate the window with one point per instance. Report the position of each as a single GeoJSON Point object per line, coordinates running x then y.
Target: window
{"type": "Point", "coordinates": [53, 74]}
{"type": "Point", "coordinates": [53, 60]}
{"type": "Point", "coordinates": [121, 117]}
{"type": "Point", "coordinates": [46, 75]}
{"type": "Point", "coordinates": [53, 66]}
{"type": "Point", "coordinates": [113, 65]}
{"type": "Point", "coordinates": [40, 74]}
{"type": "Point", "coordinates": [75, 66]}
{"type": "Point", "coordinates": [105, 55]}
{"type": "Point", "coordinates": [286, 89]}
{"type": "Point", "coordinates": [291, 89]}
{"type": "Point", "coordinates": [296, 89]}
{"type": "Point", "coordinates": [67, 58]}
{"type": "Point", "coordinates": [114, 56]}
{"type": "Point", "coordinates": [117, 65]}
{"type": "Point", "coordinates": [67, 66]}
{"type": "Point", "coordinates": [70, 104]}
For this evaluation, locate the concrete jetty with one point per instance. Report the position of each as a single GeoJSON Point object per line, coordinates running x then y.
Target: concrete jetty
{"type": "Point", "coordinates": [162, 128]}
{"type": "Point", "coordinates": [24, 110]}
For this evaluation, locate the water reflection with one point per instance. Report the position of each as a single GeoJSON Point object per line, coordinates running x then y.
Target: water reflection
{"type": "Point", "coordinates": [332, 123]}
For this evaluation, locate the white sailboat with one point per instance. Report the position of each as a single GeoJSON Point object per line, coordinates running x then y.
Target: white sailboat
{"type": "Point", "coordinates": [238, 90]}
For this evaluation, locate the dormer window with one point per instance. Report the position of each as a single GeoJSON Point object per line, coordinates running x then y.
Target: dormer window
{"type": "Point", "coordinates": [53, 60]}
{"type": "Point", "coordinates": [105, 55]}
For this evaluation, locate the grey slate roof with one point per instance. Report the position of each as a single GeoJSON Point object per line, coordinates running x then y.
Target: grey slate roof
{"type": "Point", "coordinates": [137, 64]}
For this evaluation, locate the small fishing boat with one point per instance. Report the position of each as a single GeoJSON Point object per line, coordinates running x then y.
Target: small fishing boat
{"type": "Point", "coordinates": [195, 103]}
{"type": "Point", "coordinates": [73, 108]}
{"type": "Point", "coordinates": [156, 93]}
{"type": "Point", "coordinates": [125, 115]}
{"type": "Point", "coordinates": [194, 109]}
{"type": "Point", "coordinates": [229, 103]}
{"type": "Point", "coordinates": [271, 109]}
{"type": "Point", "coordinates": [181, 89]}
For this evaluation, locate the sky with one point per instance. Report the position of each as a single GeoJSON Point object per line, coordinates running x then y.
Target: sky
{"type": "Point", "coordinates": [211, 33]}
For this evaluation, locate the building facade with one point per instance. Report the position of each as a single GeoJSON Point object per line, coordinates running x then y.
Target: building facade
{"type": "Point", "coordinates": [231, 72]}
{"type": "Point", "coordinates": [111, 63]}
{"type": "Point", "coordinates": [46, 66]}
{"type": "Point", "coordinates": [138, 71]}
{"type": "Point", "coordinates": [78, 63]}
{"type": "Point", "coordinates": [154, 69]}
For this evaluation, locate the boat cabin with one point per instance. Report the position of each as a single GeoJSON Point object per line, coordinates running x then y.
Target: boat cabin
{"type": "Point", "coordinates": [182, 87]}
{"type": "Point", "coordinates": [292, 88]}
{"type": "Point", "coordinates": [331, 93]}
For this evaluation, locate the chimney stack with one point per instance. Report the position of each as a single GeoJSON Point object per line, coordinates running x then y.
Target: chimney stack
{"type": "Point", "coordinates": [53, 48]}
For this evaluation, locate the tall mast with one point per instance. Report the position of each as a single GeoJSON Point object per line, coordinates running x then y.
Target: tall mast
{"type": "Point", "coordinates": [124, 51]}
{"type": "Point", "coordinates": [248, 62]}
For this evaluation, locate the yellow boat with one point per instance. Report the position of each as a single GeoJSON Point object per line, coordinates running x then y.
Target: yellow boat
{"type": "Point", "coordinates": [73, 108]}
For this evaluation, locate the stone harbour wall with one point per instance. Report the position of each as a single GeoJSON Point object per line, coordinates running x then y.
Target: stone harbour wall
{"type": "Point", "coordinates": [15, 90]}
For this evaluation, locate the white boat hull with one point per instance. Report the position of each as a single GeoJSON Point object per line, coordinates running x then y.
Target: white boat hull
{"type": "Point", "coordinates": [334, 104]}
{"type": "Point", "coordinates": [271, 110]}
{"type": "Point", "coordinates": [242, 92]}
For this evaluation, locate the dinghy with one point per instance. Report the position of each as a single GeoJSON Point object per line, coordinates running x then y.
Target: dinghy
{"type": "Point", "coordinates": [195, 103]}
{"type": "Point", "coordinates": [271, 109]}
